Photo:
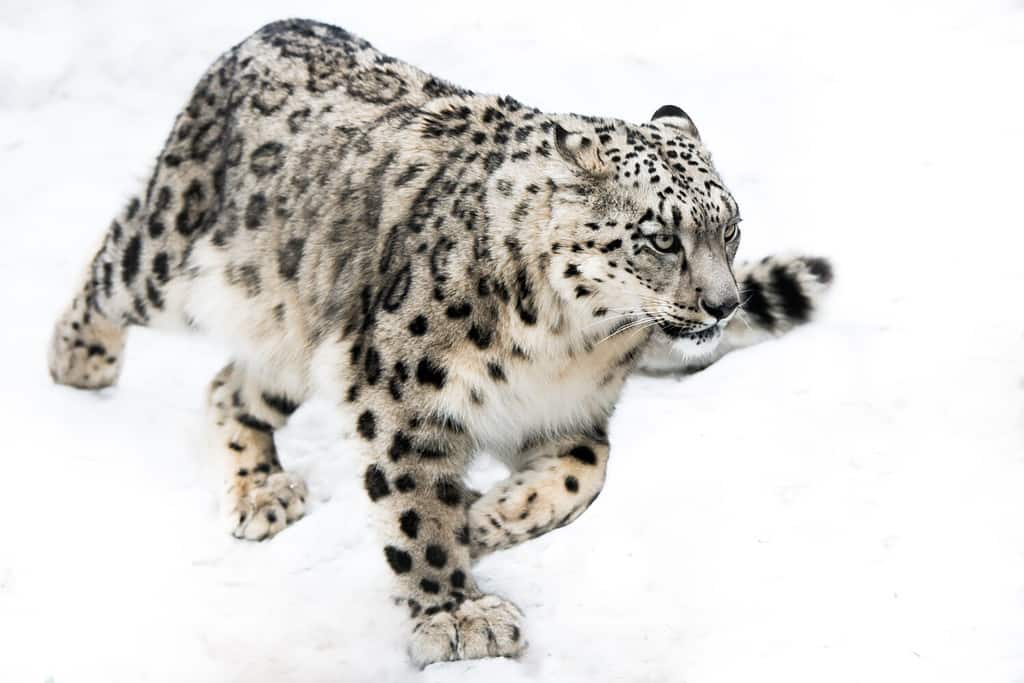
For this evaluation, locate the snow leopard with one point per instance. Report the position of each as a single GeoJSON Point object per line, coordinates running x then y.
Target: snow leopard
{"type": "Point", "coordinates": [458, 273]}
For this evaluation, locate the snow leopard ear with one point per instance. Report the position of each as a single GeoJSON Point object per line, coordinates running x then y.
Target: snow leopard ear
{"type": "Point", "coordinates": [674, 117]}
{"type": "Point", "coordinates": [580, 151]}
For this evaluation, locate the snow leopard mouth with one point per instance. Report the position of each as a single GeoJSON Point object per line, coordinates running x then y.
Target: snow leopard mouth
{"type": "Point", "coordinates": [677, 332]}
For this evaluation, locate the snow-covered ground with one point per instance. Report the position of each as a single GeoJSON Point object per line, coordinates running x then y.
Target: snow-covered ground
{"type": "Point", "coordinates": [844, 504]}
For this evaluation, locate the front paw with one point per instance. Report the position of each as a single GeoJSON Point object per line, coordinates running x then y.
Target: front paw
{"type": "Point", "coordinates": [511, 513]}
{"type": "Point", "coordinates": [268, 508]}
{"type": "Point", "coordinates": [487, 626]}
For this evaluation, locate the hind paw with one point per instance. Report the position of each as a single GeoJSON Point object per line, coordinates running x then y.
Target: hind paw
{"type": "Point", "coordinates": [87, 356]}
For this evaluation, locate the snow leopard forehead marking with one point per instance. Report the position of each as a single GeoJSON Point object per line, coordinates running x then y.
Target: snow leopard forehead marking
{"type": "Point", "coordinates": [671, 173]}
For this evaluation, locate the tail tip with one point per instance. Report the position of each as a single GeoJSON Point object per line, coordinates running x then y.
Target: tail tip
{"type": "Point", "coordinates": [820, 268]}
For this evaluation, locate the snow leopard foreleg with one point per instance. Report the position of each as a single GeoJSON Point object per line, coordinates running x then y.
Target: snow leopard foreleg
{"type": "Point", "coordinates": [414, 480]}
{"type": "Point", "coordinates": [556, 482]}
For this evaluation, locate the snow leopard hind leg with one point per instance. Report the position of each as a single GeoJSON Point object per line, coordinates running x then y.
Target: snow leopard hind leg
{"type": "Point", "coordinates": [134, 277]}
{"type": "Point", "coordinates": [259, 497]}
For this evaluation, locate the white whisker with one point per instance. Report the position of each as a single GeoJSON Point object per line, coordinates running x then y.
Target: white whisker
{"type": "Point", "coordinates": [637, 324]}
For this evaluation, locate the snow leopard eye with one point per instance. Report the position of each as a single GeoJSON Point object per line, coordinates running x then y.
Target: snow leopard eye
{"type": "Point", "coordinates": [732, 231]}
{"type": "Point", "coordinates": [665, 242]}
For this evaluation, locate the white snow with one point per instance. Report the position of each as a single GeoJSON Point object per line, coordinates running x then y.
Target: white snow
{"type": "Point", "coordinates": [844, 504]}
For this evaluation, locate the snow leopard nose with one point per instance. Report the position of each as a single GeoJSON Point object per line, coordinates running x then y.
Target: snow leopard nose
{"type": "Point", "coordinates": [719, 310]}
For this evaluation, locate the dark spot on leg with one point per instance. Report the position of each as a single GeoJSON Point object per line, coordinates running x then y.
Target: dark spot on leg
{"type": "Point", "coordinates": [459, 311]}
{"type": "Point", "coordinates": [430, 451]}
{"type": "Point", "coordinates": [376, 483]}
{"type": "Point", "coordinates": [400, 445]}
{"type": "Point", "coordinates": [409, 523]}
{"type": "Point", "coordinates": [399, 560]}
{"type": "Point", "coordinates": [160, 267]}
{"type": "Point", "coordinates": [255, 211]}
{"type": "Point", "coordinates": [367, 425]}
{"type": "Point", "coordinates": [436, 556]}
{"type": "Point", "coordinates": [193, 213]}
{"type": "Point", "coordinates": [395, 388]}
{"type": "Point", "coordinates": [130, 260]}
{"type": "Point", "coordinates": [448, 493]}
{"type": "Point", "coordinates": [427, 372]}
{"type": "Point", "coordinates": [371, 366]}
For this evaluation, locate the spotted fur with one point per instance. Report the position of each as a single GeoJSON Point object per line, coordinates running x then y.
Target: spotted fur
{"type": "Point", "coordinates": [457, 272]}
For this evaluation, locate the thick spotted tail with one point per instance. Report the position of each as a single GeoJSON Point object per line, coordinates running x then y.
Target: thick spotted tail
{"type": "Point", "coordinates": [777, 293]}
